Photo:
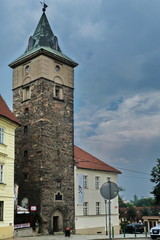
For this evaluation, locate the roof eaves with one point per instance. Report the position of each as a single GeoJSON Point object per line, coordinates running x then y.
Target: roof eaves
{"type": "Point", "coordinates": [11, 120]}
{"type": "Point", "coordinates": [95, 169]}
{"type": "Point", "coordinates": [46, 51]}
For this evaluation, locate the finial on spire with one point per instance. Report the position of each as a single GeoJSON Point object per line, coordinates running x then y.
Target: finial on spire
{"type": "Point", "coordinates": [44, 6]}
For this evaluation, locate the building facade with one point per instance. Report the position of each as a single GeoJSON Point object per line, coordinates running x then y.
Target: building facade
{"type": "Point", "coordinates": [43, 83]}
{"type": "Point", "coordinates": [90, 206]}
{"type": "Point", "coordinates": [8, 124]}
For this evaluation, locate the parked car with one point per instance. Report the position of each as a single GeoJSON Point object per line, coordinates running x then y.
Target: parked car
{"type": "Point", "coordinates": [155, 232]}
{"type": "Point", "coordinates": [134, 228]}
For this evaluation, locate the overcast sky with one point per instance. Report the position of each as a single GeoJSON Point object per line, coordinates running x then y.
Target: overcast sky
{"type": "Point", "coordinates": [117, 82]}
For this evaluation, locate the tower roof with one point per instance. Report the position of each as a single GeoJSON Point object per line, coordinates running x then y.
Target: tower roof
{"type": "Point", "coordinates": [6, 112]}
{"type": "Point", "coordinates": [43, 36]}
{"type": "Point", "coordinates": [45, 42]}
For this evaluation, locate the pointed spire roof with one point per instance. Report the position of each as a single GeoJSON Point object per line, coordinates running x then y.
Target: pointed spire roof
{"type": "Point", "coordinates": [43, 36]}
{"type": "Point", "coordinates": [45, 42]}
{"type": "Point", "coordinates": [6, 112]}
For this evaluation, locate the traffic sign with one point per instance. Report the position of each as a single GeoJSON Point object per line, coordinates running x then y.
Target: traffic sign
{"type": "Point", "coordinates": [109, 190]}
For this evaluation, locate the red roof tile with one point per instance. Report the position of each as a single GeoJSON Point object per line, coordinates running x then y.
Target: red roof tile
{"type": "Point", "coordinates": [6, 112]}
{"type": "Point", "coordinates": [88, 161]}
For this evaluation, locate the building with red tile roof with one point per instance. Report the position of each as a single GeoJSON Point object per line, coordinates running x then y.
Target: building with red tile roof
{"type": "Point", "coordinates": [90, 174]}
{"type": "Point", "coordinates": [6, 112]}
{"type": "Point", "coordinates": [8, 125]}
{"type": "Point", "coordinates": [87, 161]}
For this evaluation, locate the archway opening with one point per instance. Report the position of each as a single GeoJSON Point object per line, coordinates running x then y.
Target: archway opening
{"type": "Point", "coordinates": [57, 221]}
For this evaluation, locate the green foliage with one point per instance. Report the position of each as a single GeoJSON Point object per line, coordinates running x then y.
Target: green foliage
{"type": "Point", "coordinates": [145, 202]}
{"type": "Point", "coordinates": [155, 178]}
{"type": "Point", "coordinates": [150, 211]}
{"type": "Point", "coordinates": [131, 214]}
{"type": "Point", "coordinates": [155, 173]}
{"type": "Point", "coordinates": [145, 212]}
{"type": "Point", "coordinates": [120, 200]}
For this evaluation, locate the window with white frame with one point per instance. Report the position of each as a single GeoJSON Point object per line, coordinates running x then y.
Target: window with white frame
{"type": "Point", "coordinates": [85, 181]}
{"type": "Point", "coordinates": [1, 135]}
{"type": "Point", "coordinates": [97, 182]}
{"type": "Point", "coordinates": [1, 210]}
{"type": "Point", "coordinates": [85, 208]}
{"type": "Point", "coordinates": [1, 173]}
{"type": "Point", "coordinates": [97, 208]}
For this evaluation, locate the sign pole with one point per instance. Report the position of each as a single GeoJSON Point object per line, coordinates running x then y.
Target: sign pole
{"type": "Point", "coordinates": [109, 190]}
{"type": "Point", "coordinates": [109, 207]}
{"type": "Point", "coordinates": [106, 216]}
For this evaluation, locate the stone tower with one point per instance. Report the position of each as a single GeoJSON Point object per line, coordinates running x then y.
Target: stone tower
{"type": "Point", "coordinates": [43, 82]}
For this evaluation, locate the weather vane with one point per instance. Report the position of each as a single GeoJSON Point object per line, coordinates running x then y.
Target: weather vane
{"type": "Point", "coordinates": [44, 6]}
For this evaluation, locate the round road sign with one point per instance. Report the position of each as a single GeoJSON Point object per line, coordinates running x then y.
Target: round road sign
{"type": "Point", "coordinates": [109, 190]}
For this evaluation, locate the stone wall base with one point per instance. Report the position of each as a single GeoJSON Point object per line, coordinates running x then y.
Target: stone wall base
{"type": "Point", "coordinates": [25, 232]}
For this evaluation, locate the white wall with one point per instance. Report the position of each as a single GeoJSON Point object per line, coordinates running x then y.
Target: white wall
{"type": "Point", "coordinates": [92, 195]}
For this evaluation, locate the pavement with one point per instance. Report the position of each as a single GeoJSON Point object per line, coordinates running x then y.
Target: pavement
{"type": "Point", "coordinates": [83, 237]}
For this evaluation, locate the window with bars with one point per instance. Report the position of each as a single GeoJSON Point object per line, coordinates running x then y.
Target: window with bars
{"type": "Point", "coordinates": [85, 181]}
{"type": "Point", "coordinates": [1, 135]}
{"type": "Point", "coordinates": [85, 208]}
{"type": "Point", "coordinates": [1, 210]}
{"type": "Point", "coordinates": [97, 208]}
{"type": "Point", "coordinates": [1, 173]}
{"type": "Point", "coordinates": [97, 182]}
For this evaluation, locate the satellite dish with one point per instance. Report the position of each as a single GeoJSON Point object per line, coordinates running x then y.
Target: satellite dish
{"type": "Point", "coordinates": [109, 190]}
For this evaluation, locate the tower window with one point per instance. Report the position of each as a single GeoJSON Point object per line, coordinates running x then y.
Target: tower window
{"type": "Point", "coordinates": [58, 93]}
{"type": "Point", "coordinates": [26, 93]}
{"type": "Point", "coordinates": [58, 183]}
{"type": "Point", "coordinates": [26, 110]}
{"type": "Point", "coordinates": [25, 176]}
{"type": "Point", "coordinates": [58, 153]}
{"type": "Point", "coordinates": [57, 68]}
{"type": "Point", "coordinates": [27, 68]}
{"type": "Point", "coordinates": [58, 197]}
{"type": "Point", "coordinates": [25, 130]}
{"type": "Point", "coordinates": [25, 154]}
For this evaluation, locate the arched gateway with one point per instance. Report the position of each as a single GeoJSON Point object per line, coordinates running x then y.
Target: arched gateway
{"type": "Point", "coordinates": [57, 221]}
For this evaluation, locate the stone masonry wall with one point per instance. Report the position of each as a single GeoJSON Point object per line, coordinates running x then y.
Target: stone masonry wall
{"type": "Point", "coordinates": [44, 164]}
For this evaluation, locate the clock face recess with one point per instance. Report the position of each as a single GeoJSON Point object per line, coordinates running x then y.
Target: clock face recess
{"type": "Point", "coordinates": [27, 68]}
{"type": "Point", "coordinates": [57, 68]}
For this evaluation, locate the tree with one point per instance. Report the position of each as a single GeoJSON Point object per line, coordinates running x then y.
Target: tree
{"type": "Point", "coordinates": [131, 214]}
{"type": "Point", "coordinates": [155, 178]}
{"type": "Point", "coordinates": [120, 200]}
{"type": "Point", "coordinates": [145, 202]}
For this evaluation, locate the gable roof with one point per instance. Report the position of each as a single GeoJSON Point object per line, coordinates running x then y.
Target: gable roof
{"type": "Point", "coordinates": [87, 161]}
{"type": "Point", "coordinates": [6, 112]}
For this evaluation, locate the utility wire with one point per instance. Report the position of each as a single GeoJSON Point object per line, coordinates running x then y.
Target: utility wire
{"type": "Point", "coordinates": [129, 170]}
